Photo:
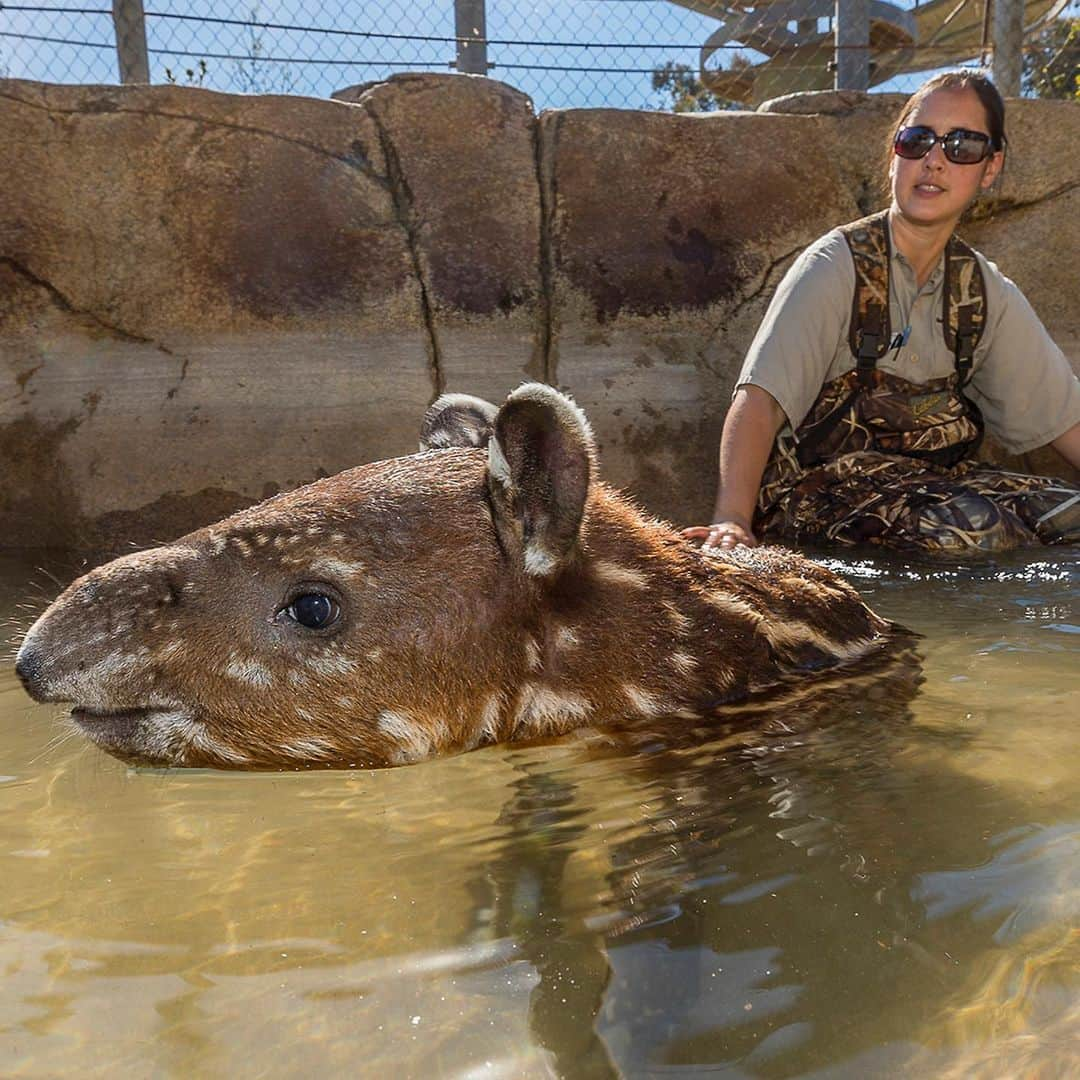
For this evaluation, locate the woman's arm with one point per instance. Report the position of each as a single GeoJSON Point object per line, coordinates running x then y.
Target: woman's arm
{"type": "Point", "coordinates": [805, 323]}
{"type": "Point", "coordinates": [1068, 445]}
{"type": "Point", "coordinates": [749, 430]}
{"type": "Point", "coordinates": [1025, 387]}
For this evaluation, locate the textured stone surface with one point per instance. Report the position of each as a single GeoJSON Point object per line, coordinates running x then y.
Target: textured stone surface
{"type": "Point", "coordinates": [668, 234]}
{"type": "Point", "coordinates": [207, 298]}
{"type": "Point", "coordinates": [462, 153]}
{"type": "Point", "coordinates": [201, 293]}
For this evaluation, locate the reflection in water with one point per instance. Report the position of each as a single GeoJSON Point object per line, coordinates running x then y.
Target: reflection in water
{"type": "Point", "coordinates": [520, 897]}
{"type": "Point", "coordinates": [1019, 1008]}
{"type": "Point", "coordinates": [876, 877]}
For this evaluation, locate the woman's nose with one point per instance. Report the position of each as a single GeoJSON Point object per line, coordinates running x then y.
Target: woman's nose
{"type": "Point", "coordinates": [935, 158]}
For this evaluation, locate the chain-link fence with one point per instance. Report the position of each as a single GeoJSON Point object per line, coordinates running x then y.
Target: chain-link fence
{"type": "Point", "coordinates": [686, 55]}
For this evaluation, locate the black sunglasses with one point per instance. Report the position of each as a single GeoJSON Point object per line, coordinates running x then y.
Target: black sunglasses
{"type": "Point", "coordinates": [960, 146]}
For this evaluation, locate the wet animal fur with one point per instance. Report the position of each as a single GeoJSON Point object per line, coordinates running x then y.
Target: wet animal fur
{"type": "Point", "coordinates": [493, 590]}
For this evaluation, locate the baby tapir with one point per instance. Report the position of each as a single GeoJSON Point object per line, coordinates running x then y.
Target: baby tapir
{"type": "Point", "coordinates": [487, 589]}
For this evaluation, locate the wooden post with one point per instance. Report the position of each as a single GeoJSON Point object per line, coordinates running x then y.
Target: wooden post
{"type": "Point", "coordinates": [470, 28]}
{"type": "Point", "coordinates": [1008, 36]}
{"type": "Point", "coordinates": [130, 27]}
{"type": "Point", "coordinates": [852, 35]}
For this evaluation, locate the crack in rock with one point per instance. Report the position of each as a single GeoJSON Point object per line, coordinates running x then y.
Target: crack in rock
{"type": "Point", "coordinates": [173, 390]}
{"type": "Point", "coordinates": [1005, 205]}
{"type": "Point", "coordinates": [747, 300]}
{"type": "Point", "coordinates": [65, 305]}
{"type": "Point", "coordinates": [402, 199]}
{"type": "Point", "coordinates": [545, 155]}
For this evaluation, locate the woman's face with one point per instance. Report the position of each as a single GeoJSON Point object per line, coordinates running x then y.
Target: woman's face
{"type": "Point", "coordinates": [933, 190]}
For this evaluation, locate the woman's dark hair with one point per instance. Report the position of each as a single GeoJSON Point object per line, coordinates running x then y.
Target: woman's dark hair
{"type": "Point", "coordinates": [985, 90]}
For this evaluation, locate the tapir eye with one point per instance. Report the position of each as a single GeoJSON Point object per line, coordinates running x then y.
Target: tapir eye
{"type": "Point", "coordinates": [314, 610]}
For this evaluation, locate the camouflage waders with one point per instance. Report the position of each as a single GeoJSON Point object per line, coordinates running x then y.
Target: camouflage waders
{"type": "Point", "coordinates": [882, 460]}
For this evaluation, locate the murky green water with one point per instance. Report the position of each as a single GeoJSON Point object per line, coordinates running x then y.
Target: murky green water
{"type": "Point", "coordinates": [895, 894]}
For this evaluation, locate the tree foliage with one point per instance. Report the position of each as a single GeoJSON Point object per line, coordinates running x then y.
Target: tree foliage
{"type": "Point", "coordinates": [1052, 61]}
{"type": "Point", "coordinates": [682, 91]}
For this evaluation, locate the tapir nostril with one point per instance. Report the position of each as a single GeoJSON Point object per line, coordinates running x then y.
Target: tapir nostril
{"type": "Point", "coordinates": [28, 668]}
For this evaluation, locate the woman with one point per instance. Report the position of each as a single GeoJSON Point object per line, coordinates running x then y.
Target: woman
{"type": "Point", "coordinates": [886, 345]}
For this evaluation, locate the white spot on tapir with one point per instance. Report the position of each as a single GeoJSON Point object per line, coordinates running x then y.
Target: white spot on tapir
{"type": "Point", "coordinates": [249, 671]}
{"type": "Point", "coordinates": [722, 678]}
{"type": "Point", "coordinates": [643, 701]}
{"type": "Point", "coordinates": [311, 746]}
{"type": "Point", "coordinates": [412, 742]}
{"type": "Point", "coordinates": [327, 565]}
{"type": "Point", "coordinates": [732, 605]}
{"type": "Point", "coordinates": [566, 637]}
{"type": "Point", "coordinates": [798, 633]}
{"type": "Point", "coordinates": [541, 709]}
{"type": "Point", "coordinates": [489, 719]}
{"type": "Point", "coordinates": [532, 654]}
{"type": "Point", "coordinates": [681, 622]}
{"type": "Point", "coordinates": [539, 562]}
{"type": "Point", "coordinates": [620, 575]}
{"type": "Point", "coordinates": [683, 663]}
{"type": "Point", "coordinates": [173, 733]}
{"type": "Point", "coordinates": [202, 740]}
{"type": "Point", "coordinates": [331, 664]}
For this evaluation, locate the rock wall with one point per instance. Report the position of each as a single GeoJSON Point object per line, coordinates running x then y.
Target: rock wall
{"type": "Point", "coordinates": [205, 298]}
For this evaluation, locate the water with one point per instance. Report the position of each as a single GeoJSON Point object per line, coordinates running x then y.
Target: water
{"type": "Point", "coordinates": [895, 892]}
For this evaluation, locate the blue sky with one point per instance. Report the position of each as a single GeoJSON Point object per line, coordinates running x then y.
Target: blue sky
{"type": "Point", "coordinates": [606, 47]}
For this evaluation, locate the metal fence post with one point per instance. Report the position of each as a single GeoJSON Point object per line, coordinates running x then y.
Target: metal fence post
{"type": "Point", "coordinates": [1008, 35]}
{"type": "Point", "coordinates": [852, 34]}
{"type": "Point", "coordinates": [131, 51]}
{"type": "Point", "coordinates": [470, 29]}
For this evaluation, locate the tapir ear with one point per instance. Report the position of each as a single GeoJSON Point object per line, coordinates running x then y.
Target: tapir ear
{"type": "Point", "coordinates": [457, 420]}
{"type": "Point", "coordinates": [540, 460]}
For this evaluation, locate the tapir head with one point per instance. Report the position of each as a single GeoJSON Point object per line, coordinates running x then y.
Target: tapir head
{"type": "Point", "coordinates": [374, 617]}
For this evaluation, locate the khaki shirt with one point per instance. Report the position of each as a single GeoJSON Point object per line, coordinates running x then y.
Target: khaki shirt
{"type": "Point", "coordinates": [1020, 379]}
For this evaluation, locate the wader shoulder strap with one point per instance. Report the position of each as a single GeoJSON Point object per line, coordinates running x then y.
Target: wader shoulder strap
{"type": "Point", "coordinates": [963, 314]}
{"type": "Point", "coordinates": [869, 332]}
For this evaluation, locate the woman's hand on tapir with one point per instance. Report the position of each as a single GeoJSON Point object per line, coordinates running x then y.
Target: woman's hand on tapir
{"type": "Point", "coordinates": [722, 534]}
